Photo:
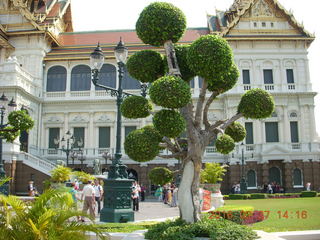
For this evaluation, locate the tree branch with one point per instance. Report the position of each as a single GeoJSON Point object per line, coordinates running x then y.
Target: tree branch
{"type": "Point", "coordinates": [171, 155]}
{"type": "Point", "coordinates": [200, 102]}
{"type": "Point", "coordinates": [231, 120]}
{"type": "Point", "coordinates": [170, 145]}
{"type": "Point", "coordinates": [206, 109]}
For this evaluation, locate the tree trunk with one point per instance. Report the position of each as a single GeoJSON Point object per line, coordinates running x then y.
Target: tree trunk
{"type": "Point", "coordinates": [188, 193]}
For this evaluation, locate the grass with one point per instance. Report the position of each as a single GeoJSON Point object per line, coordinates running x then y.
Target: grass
{"type": "Point", "coordinates": [125, 227]}
{"type": "Point", "coordinates": [293, 214]}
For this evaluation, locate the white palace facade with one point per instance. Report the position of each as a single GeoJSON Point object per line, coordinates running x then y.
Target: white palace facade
{"type": "Point", "coordinates": [44, 66]}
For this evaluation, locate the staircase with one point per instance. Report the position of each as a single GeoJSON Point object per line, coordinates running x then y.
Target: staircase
{"type": "Point", "coordinates": [39, 164]}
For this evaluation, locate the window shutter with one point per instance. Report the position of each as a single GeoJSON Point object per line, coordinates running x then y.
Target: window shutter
{"type": "Point", "coordinates": [268, 77]}
{"type": "Point", "coordinates": [297, 178]}
{"type": "Point", "coordinates": [78, 134]}
{"type": "Point", "coordinates": [129, 82]}
{"type": "Point", "coordinates": [249, 130]}
{"type": "Point", "coordinates": [104, 137]}
{"type": "Point", "coordinates": [56, 79]}
{"type": "Point", "coordinates": [129, 129]}
{"type": "Point", "coordinates": [294, 132]}
{"type": "Point", "coordinates": [246, 76]}
{"type": "Point", "coordinates": [107, 76]}
{"type": "Point", "coordinates": [272, 134]}
{"type": "Point", "coordinates": [54, 134]}
{"type": "Point", "coordinates": [251, 176]}
{"type": "Point", "coordinates": [81, 78]}
{"type": "Point", "coordinates": [290, 78]}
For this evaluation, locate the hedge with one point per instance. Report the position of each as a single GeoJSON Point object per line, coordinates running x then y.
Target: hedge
{"type": "Point", "coordinates": [308, 194]}
{"type": "Point", "coordinates": [258, 196]}
{"type": "Point", "coordinates": [239, 196]}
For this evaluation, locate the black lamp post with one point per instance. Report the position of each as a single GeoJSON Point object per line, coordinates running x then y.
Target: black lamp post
{"type": "Point", "coordinates": [4, 189]}
{"type": "Point", "coordinates": [68, 148]}
{"type": "Point", "coordinates": [243, 182]}
{"type": "Point", "coordinates": [117, 195]}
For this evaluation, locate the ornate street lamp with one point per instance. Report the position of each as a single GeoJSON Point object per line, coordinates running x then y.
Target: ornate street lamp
{"type": "Point", "coordinates": [4, 189]}
{"type": "Point", "coordinates": [243, 182]}
{"type": "Point", "coordinates": [68, 147]}
{"type": "Point", "coordinates": [117, 195]}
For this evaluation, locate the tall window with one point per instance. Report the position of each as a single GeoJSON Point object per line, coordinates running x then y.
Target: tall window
{"type": "Point", "coordinates": [54, 137]}
{"type": "Point", "coordinates": [81, 78]}
{"type": "Point", "coordinates": [294, 132]}
{"type": "Point", "coordinates": [290, 78]}
{"type": "Point", "coordinates": [249, 130]}
{"type": "Point", "coordinates": [104, 137]}
{"type": "Point", "coordinates": [268, 76]}
{"type": "Point", "coordinates": [272, 134]}
{"type": "Point", "coordinates": [107, 76]}
{"type": "Point", "coordinates": [200, 82]}
{"type": "Point", "coordinates": [78, 134]}
{"type": "Point", "coordinates": [246, 76]}
{"type": "Point", "coordinates": [297, 177]}
{"type": "Point", "coordinates": [275, 175]}
{"type": "Point", "coordinates": [252, 179]}
{"type": "Point", "coordinates": [129, 129]}
{"type": "Point", "coordinates": [56, 79]}
{"type": "Point", "coordinates": [129, 82]}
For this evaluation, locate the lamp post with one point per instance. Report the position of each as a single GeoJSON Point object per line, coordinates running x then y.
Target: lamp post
{"type": "Point", "coordinates": [4, 189]}
{"type": "Point", "coordinates": [68, 148]}
{"type": "Point", "coordinates": [243, 182]}
{"type": "Point", "coordinates": [117, 195]}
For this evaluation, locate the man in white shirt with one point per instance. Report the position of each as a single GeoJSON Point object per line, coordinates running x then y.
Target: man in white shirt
{"type": "Point", "coordinates": [88, 199]}
{"type": "Point", "coordinates": [98, 193]}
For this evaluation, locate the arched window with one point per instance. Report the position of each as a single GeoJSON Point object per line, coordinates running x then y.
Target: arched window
{"type": "Point", "coordinates": [274, 115]}
{"type": "Point", "coordinates": [275, 175]}
{"type": "Point", "coordinates": [81, 78]}
{"type": "Point", "coordinates": [293, 115]}
{"type": "Point", "coordinates": [107, 76]}
{"type": "Point", "coordinates": [129, 82]}
{"type": "Point", "coordinates": [56, 79]}
{"type": "Point", "coordinates": [297, 177]}
{"type": "Point", "coordinates": [252, 179]}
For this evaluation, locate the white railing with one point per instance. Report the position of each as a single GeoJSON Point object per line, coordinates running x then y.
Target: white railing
{"type": "Point", "coordinates": [296, 146]}
{"type": "Point", "coordinates": [249, 148]}
{"type": "Point", "coordinates": [269, 87]}
{"type": "Point", "coordinates": [246, 87]}
{"type": "Point", "coordinates": [55, 94]}
{"type": "Point", "coordinates": [37, 163]}
{"type": "Point", "coordinates": [80, 94]}
{"type": "Point", "coordinates": [291, 87]}
{"type": "Point", "coordinates": [211, 150]}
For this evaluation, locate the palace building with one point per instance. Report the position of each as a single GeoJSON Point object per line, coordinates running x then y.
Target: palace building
{"type": "Point", "coordinates": [44, 66]}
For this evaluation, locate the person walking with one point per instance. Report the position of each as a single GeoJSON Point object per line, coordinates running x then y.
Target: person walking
{"type": "Point", "coordinates": [135, 196]}
{"type": "Point", "coordinates": [88, 199]}
{"type": "Point", "coordinates": [98, 193]}
{"type": "Point", "coordinates": [158, 193]}
{"type": "Point", "coordinates": [73, 191]}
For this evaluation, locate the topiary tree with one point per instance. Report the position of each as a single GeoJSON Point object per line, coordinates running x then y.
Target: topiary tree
{"type": "Point", "coordinates": [160, 176]}
{"type": "Point", "coordinates": [210, 57]}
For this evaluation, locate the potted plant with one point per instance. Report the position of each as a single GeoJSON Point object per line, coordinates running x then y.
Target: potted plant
{"type": "Point", "coordinates": [210, 178]}
{"type": "Point", "coordinates": [60, 175]}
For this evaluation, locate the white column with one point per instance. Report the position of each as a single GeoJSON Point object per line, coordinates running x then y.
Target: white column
{"type": "Point", "coordinates": [2, 55]}
{"type": "Point", "coordinates": [285, 126]}
{"type": "Point", "coordinates": [91, 141]}
{"type": "Point", "coordinates": [312, 123]}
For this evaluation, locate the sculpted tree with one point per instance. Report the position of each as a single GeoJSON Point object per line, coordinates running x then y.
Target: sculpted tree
{"type": "Point", "coordinates": [210, 57]}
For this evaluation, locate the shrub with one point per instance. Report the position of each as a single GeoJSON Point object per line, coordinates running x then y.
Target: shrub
{"type": "Point", "coordinates": [181, 53]}
{"type": "Point", "coordinates": [239, 196]}
{"type": "Point", "coordinates": [224, 144]}
{"type": "Point", "coordinates": [308, 194]}
{"type": "Point", "coordinates": [160, 175]}
{"type": "Point", "coordinates": [169, 123]}
{"type": "Point", "coordinates": [146, 65]}
{"type": "Point", "coordinates": [258, 196]}
{"type": "Point", "coordinates": [212, 173]}
{"type": "Point", "coordinates": [160, 22]}
{"type": "Point", "coordinates": [135, 107]}
{"type": "Point", "coordinates": [170, 92]}
{"type": "Point", "coordinates": [236, 131]}
{"type": "Point", "coordinates": [235, 214]}
{"type": "Point", "coordinates": [256, 104]}
{"type": "Point", "coordinates": [20, 120]}
{"type": "Point", "coordinates": [83, 176]}
{"type": "Point", "coordinates": [60, 174]}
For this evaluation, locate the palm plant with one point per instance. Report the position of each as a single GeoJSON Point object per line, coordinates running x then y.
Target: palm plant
{"type": "Point", "coordinates": [49, 217]}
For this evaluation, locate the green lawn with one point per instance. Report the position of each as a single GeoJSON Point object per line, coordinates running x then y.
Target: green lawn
{"type": "Point", "coordinates": [292, 214]}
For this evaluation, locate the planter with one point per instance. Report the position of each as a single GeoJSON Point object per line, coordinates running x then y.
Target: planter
{"type": "Point", "coordinates": [216, 196]}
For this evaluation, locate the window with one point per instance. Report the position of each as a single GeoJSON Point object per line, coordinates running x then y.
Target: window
{"type": "Point", "coordinates": [263, 24]}
{"type": "Point", "coordinates": [255, 24]}
{"type": "Point", "coordinates": [293, 115]}
{"type": "Point", "coordinates": [129, 129]}
{"type": "Point", "coordinates": [252, 179]}
{"type": "Point", "coordinates": [249, 129]}
{"type": "Point", "coordinates": [246, 76]}
{"type": "Point", "coordinates": [294, 132]}
{"type": "Point", "coordinates": [78, 134]}
{"type": "Point", "coordinates": [107, 76]}
{"type": "Point", "coordinates": [297, 177]}
{"type": "Point", "coordinates": [104, 137]}
{"type": "Point", "coordinates": [54, 137]}
{"type": "Point", "coordinates": [192, 83]}
{"type": "Point", "coordinates": [267, 76]}
{"type": "Point", "coordinates": [290, 78]}
{"type": "Point", "coordinates": [274, 115]}
{"type": "Point", "coordinates": [81, 78]}
{"type": "Point", "coordinates": [272, 134]}
{"type": "Point", "coordinates": [275, 175]}
{"type": "Point", "coordinates": [129, 82]}
{"type": "Point", "coordinates": [272, 24]}
{"type": "Point", "coordinates": [200, 82]}
{"type": "Point", "coordinates": [56, 79]}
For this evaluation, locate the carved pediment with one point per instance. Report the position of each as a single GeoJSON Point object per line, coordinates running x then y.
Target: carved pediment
{"type": "Point", "coordinates": [54, 119]}
{"type": "Point", "coordinates": [261, 9]}
{"type": "Point", "coordinates": [79, 119]}
{"type": "Point", "coordinates": [104, 118]}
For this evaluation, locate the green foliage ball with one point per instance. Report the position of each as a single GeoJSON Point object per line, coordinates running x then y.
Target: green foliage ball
{"type": "Point", "coordinates": [256, 104]}
{"type": "Point", "coordinates": [135, 107]}
{"type": "Point", "coordinates": [181, 53]}
{"type": "Point", "coordinates": [146, 65]}
{"type": "Point", "coordinates": [170, 92]}
{"type": "Point", "coordinates": [142, 145]}
{"type": "Point", "coordinates": [160, 22]}
{"type": "Point", "coordinates": [153, 133]}
{"type": "Point", "coordinates": [210, 55]}
{"type": "Point", "coordinates": [236, 131]}
{"type": "Point", "coordinates": [160, 176]}
{"type": "Point", "coordinates": [20, 120]}
{"type": "Point", "coordinates": [169, 123]}
{"type": "Point", "coordinates": [9, 134]}
{"type": "Point", "coordinates": [225, 144]}
{"type": "Point", "coordinates": [224, 81]}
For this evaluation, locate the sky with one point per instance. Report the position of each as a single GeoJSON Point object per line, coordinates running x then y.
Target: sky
{"type": "Point", "coordinates": [111, 14]}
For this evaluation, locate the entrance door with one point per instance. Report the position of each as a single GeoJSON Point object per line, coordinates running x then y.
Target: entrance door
{"type": "Point", "coordinates": [275, 175]}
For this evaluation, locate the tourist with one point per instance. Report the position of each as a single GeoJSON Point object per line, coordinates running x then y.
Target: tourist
{"type": "Point", "coordinates": [169, 195]}
{"type": "Point", "coordinates": [158, 193]}
{"type": "Point", "coordinates": [142, 193]}
{"type": "Point", "coordinates": [98, 193]}
{"type": "Point", "coordinates": [174, 196]}
{"type": "Point", "coordinates": [73, 191]}
{"type": "Point", "coordinates": [135, 196]}
{"type": "Point", "coordinates": [89, 199]}
{"type": "Point", "coordinates": [270, 190]}
{"type": "Point", "coordinates": [308, 186]}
